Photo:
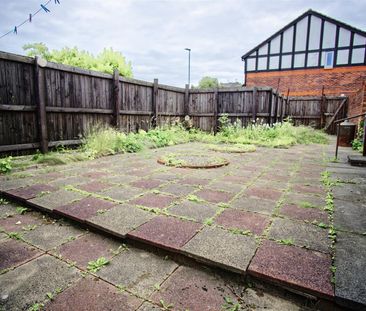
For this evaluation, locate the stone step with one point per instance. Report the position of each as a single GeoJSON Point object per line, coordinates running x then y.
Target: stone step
{"type": "Point", "coordinates": [357, 160]}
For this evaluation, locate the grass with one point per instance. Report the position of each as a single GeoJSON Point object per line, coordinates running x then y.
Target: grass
{"type": "Point", "coordinates": [96, 265]}
{"type": "Point", "coordinates": [102, 141]}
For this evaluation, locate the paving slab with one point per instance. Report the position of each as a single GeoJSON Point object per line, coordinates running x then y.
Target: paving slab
{"type": "Point", "coordinates": [305, 270]}
{"type": "Point", "coordinates": [226, 186]}
{"type": "Point", "coordinates": [253, 204]}
{"type": "Point", "coordinates": [29, 283]}
{"type": "Point", "coordinates": [198, 211]}
{"type": "Point", "coordinates": [49, 236]}
{"type": "Point", "coordinates": [95, 186]}
{"type": "Point", "coordinates": [166, 232]}
{"type": "Point", "coordinates": [69, 181]}
{"type": "Point", "coordinates": [306, 214]}
{"type": "Point", "coordinates": [120, 220]}
{"type": "Point", "coordinates": [193, 181]}
{"type": "Point", "coordinates": [56, 199]}
{"type": "Point", "coordinates": [17, 222]}
{"type": "Point", "coordinates": [153, 200]}
{"type": "Point", "coordinates": [14, 253]}
{"type": "Point", "coordinates": [305, 200]}
{"type": "Point", "coordinates": [178, 189]}
{"type": "Point", "coordinates": [83, 209]}
{"type": "Point", "coordinates": [147, 306]}
{"type": "Point", "coordinates": [8, 184]}
{"type": "Point", "coordinates": [138, 271]}
{"type": "Point", "coordinates": [309, 189]}
{"type": "Point", "coordinates": [301, 234]}
{"type": "Point", "coordinates": [92, 294]}
{"type": "Point", "coordinates": [267, 193]}
{"type": "Point", "coordinates": [147, 183]}
{"type": "Point", "coordinates": [7, 210]}
{"type": "Point", "coordinates": [196, 290]}
{"type": "Point", "coordinates": [215, 196]}
{"type": "Point", "coordinates": [222, 248]}
{"type": "Point", "coordinates": [238, 219]}
{"type": "Point", "coordinates": [30, 192]}
{"type": "Point", "coordinates": [87, 248]}
{"type": "Point", "coordinates": [350, 192]}
{"type": "Point", "coordinates": [350, 276]}
{"type": "Point", "coordinates": [95, 174]}
{"type": "Point", "coordinates": [122, 193]}
{"type": "Point", "coordinates": [120, 179]}
{"type": "Point", "coordinates": [350, 216]}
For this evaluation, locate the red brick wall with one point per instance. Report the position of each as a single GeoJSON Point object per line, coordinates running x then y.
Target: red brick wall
{"type": "Point", "coordinates": [357, 103]}
{"type": "Point", "coordinates": [309, 82]}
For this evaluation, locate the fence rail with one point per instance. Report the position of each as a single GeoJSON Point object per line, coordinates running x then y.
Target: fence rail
{"type": "Point", "coordinates": [42, 106]}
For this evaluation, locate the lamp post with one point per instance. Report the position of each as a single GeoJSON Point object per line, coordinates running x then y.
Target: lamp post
{"type": "Point", "coordinates": [189, 66]}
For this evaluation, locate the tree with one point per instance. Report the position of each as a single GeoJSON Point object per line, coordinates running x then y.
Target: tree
{"type": "Point", "coordinates": [106, 61]}
{"type": "Point", "coordinates": [208, 83]}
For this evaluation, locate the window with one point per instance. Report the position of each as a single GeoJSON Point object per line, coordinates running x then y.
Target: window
{"type": "Point", "coordinates": [301, 30]}
{"type": "Point", "coordinates": [313, 59]}
{"type": "Point", "coordinates": [286, 61]}
{"type": "Point", "coordinates": [262, 63]}
{"type": "Point", "coordinates": [274, 62]}
{"type": "Point", "coordinates": [329, 35]}
{"type": "Point", "coordinates": [263, 50]}
{"type": "Point", "coordinates": [314, 38]}
{"type": "Point", "coordinates": [275, 45]}
{"type": "Point", "coordinates": [299, 60]}
{"type": "Point", "coordinates": [358, 56]}
{"type": "Point", "coordinates": [288, 36]}
{"type": "Point", "coordinates": [328, 57]}
{"type": "Point", "coordinates": [342, 57]}
{"type": "Point", "coordinates": [251, 64]}
{"type": "Point", "coordinates": [344, 37]}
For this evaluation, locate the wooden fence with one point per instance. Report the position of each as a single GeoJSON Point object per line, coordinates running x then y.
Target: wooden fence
{"type": "Point", "coordinates": [46, 104]}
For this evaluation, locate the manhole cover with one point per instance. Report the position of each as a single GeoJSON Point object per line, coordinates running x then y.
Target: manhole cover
{"type": "Point", "coordinates": [192, 161]}
{"type": "Point", "coordinates": [233, 148]}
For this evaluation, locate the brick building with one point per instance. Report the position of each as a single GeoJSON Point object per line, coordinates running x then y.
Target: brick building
{"type": "Point", "coordinates": [312, 52]}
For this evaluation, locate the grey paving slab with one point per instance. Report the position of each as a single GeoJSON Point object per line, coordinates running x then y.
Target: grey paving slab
{"type": "Point", "coordinates": [350, 276]}
{"type": "Point", "coordinates": [138, 271]}
{"type": "Point", "coordinates": [56, 199]}
{"type": "Point", "coordinates": [15, 183]}
{"type": "Point", "coordinates": [122, 193]}
{"type": "Point", "coordinates": [350, 216]}
{"type": "Point", "coordinates": [198, 211]}
{"type": "Point", "coordinates": [121, 219]}
{"type": "Point", "coordinates": [49, 236]}
{"type": "Point", "coordinates": [72, 181]}
{"type": "Point", "coordinates": [7, 210]}
{"type": "Point", "coordinates": [252, 204]}
{"type": "Point", "coordinates": [350, 192]}
{"type": "Point", "coordinates": [222, 248]}
{"type": "Point", "coordinates": [301, 234]}
{"type": "Point", "coordinates": [29, 283]}
{"type": "Point", "coordinates": [303, 200]}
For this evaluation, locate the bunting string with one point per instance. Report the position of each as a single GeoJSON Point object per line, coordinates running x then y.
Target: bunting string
{"type": "Point", "coordinates": [43, 8]}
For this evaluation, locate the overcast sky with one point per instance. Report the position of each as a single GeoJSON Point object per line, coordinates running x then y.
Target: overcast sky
{"type": "Point", "coordinates": [152, 34]}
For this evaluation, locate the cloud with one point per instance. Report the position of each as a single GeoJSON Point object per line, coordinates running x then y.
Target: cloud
{"type": "Point", "coordinates": [152, 34]}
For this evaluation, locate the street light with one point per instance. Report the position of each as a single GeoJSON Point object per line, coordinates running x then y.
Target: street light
{"type": "Point", "coordinates": [189, 66]}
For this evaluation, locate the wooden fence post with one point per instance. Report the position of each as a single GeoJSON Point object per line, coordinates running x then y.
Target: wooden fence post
{"type": "Point", "coordinates": [40, 96]}
{"type": "Point", "coordinates": [155, 103]}
{"type": "Point", "coordinates": [276, 108]}
{"type": "Point", "coordinates": [322, 108]}
{"type": "Point", "coordinates": [216, 109]}
{"type": "Point", "coordinates": [270, 107]}
{"type": "Point", "coordinates": [255, 104]}
{"type": "Point", "coordinates": [186, 101]}
{"type": "Point", "coordinates": [116, 99]}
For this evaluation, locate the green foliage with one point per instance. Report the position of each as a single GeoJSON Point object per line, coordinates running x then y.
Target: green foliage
{"type": "Point", "coordinates": [6, 165]}
{"type": "Point", "coordinates": [95, 266]}
{"type": "Point", "coordinates": [36, 307]}
{"type": "Point", "coordinates": [288, 242]}
{"type": "Point", "coordinates": [235, 148]}
{"type": "Point", "coordinates": [15, 235]}
{"type": "Point", "coordinates": [208, 83]}
{"type": "Point", "coordinates": [105, 61]}
{"type": "Point", "coordinates": [21, 210]}
{"type": "Point", "coordinates": [230, 305]}
{"type": "Point", "coordinates": [357, 143]}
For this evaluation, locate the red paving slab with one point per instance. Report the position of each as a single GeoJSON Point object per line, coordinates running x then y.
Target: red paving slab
{"type": "Point", "coordinates": [93, 295]}
{"type": "Point", "coordinates": [215, 196]}
{"type": "Point", "coordinates": [153, 200]}
{"type": "Point", "coordinates": [30, 192]}
{"type": "Point", "coordinates": [296, 267]}
{"type": "Point", "coordinates": [166, 232]}
{"type": "Point", "coordinates": [147, 183]}
{"type": "Point", "coordinates": [86, 248]}
{"type": "Point", "coordinates": [268, 194]}
{"type": "Point", "coordinates": [233, 218]}
{"type": "Point", "coordinates": [14, 253]}
{"type": "Point", "coordinates": [94, 186]}
{"type": "Point", "coordinates": [84, 208]}
{"type": "Point", "coordinates": [190, 289]}
{"type": "Point", "coordinates": [300, 213]}
{"type": "Point", "coordinates": [236, 179]}
{"type": "Point", "coordinates": [18, 222]}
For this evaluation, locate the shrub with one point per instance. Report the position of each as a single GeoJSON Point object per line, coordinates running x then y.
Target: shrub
{"type": "Point", "coordinates": [6, 165]}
